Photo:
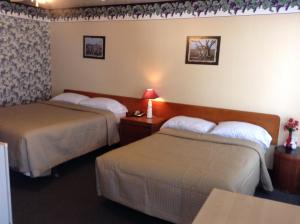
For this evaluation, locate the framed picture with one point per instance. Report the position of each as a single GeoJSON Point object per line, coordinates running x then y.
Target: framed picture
{"type": "Point", "coordinates": [94, 47]}
{"type": "Point", "coordinates": [203, 50]}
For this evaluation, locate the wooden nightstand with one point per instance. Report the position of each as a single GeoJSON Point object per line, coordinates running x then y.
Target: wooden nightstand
{"type": "Point", "coordinates": [135, 128]}
{"type": "Point", "coordinates": [287, 169]}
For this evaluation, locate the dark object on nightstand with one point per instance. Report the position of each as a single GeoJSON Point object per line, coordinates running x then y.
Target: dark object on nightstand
{"type": "Point", "coordinates": [287, 169]}
{"type": "Point", "coordinates": [135, 128]}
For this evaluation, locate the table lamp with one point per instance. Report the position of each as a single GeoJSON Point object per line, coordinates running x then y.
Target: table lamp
{"type": "Point", "coordinates": [150, 94]}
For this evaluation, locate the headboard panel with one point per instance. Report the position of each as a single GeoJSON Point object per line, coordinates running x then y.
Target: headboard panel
{"type": "Point", "coordinates": [167, 110]}
{"type": "Point", "coordinates": [269, 122]}
{"type": "Point", "coordinates": [131, 103]}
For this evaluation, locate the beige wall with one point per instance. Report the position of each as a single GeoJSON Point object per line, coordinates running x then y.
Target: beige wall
{"type": "Point", "coordinates": [258, 67]}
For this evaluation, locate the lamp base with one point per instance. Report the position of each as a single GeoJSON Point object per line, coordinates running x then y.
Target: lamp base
{"type": "Point", "coordinates": [149, 109]}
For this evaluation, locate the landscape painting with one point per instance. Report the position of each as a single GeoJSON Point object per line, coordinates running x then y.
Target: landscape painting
{"type": "Point", "coordinates": [203, 50]}
{"type": "Point", "coordinates": [94, 47]}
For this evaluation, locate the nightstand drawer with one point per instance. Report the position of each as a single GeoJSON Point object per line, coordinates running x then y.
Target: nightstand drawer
{"type": "Point", "coordinates": [133, 128]}
{"type": "Point", "coordinates": [130, 133]}
{"type": "Point", "coordinates": [287, 170]}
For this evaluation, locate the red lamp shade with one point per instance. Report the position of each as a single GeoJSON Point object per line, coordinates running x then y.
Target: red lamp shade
{"type": "Point", "coordinates": [150, 94]}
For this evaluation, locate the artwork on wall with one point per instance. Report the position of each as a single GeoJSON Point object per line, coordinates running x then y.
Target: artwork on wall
{"type": "Point", "coordinates": [203, 50]}
{"type": "Point", "coordinates": [94, 47]}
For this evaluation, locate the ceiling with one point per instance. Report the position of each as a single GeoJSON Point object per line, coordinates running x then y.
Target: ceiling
{"type": "Point", "coordinates": [59, 4]}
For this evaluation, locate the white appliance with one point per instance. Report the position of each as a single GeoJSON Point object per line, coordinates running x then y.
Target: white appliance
{"type": "Point", "coordinates": [5, 197]}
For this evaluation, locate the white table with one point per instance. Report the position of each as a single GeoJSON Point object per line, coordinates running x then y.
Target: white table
{"type": "Point", "coordinates": [5, 201]}
{"type": "Point", "coordinates": [223, 207]}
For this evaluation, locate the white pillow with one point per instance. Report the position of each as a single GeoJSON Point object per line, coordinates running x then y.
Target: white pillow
{"type": "Point", "coordinates": [192, 124]}
{"type": "Point", "coordinates": [105, 104]}
{"type": "Point", "coordinates": [70, 98]}
{"type": "Point", "coordinates": [243, 130]}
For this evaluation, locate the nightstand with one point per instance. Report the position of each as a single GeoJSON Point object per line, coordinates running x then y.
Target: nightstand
{"type": "Point", "coordinates": [287, 169]}
{"type": "Point", "coordinates": [135, 128]}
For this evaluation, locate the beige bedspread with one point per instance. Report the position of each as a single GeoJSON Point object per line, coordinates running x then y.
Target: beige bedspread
{"type": "Point", "coordinates": [43, 135]}
{"type": "Point", "coordinates": [170, 174]}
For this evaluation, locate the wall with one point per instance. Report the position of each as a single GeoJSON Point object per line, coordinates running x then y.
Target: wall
{"type": "Point", "coordinates": [24, 60]}
{"type": "Point", "coordinates": [258, 67]}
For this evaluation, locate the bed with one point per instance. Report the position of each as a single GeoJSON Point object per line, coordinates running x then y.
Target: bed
{"type": "Point", "coordinates": [43, 135]}
{"type": "Point", "coordinates": [170, 174]}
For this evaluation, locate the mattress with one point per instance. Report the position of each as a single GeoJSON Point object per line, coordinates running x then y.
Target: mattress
{"type": "Point", "coordinates": [43, 135]}
{"type": "Point", "coordinates": [170, 174]}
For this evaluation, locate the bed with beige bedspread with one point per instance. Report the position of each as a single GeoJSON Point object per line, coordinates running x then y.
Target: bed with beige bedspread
{"type": "Point", "coordinates": [43, 135]}
{"type": "Point", "coordinates": [170, 174]}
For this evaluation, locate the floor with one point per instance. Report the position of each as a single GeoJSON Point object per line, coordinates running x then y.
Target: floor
{"type": "Point", "coordinates": [71, 198]}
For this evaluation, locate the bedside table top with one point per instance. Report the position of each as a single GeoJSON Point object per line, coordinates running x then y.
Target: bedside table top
{"type": "Point", "coordinates": [144, 120]}
{"type": "Point", "coordinates": [288, 153]}
{"type": "Point", "coordinates": [234, 208]}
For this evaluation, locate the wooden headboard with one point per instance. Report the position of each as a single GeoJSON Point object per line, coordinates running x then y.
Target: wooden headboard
{"type": "Point", "coordinates": [131, 103]}
{"type": "Point", "coordinates": [269, 122]}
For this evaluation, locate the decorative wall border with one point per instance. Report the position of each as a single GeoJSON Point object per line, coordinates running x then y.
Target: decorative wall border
{"type": "Point", "coordinates": [196, 8]}
{"type": "Point", "coordinates": [23, 11]}
{"type": "Point", "coordinates": [163, 10]}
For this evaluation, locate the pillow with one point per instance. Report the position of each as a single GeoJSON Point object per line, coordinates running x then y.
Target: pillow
{"type": "Point", "coordinates": [243, 130]}
{"type": "Point", "coordinates": [70, 98]}
{"type": "Point", "coordinates": [105, 104]}
{"type": "Point", "coordinates": [192, 124]}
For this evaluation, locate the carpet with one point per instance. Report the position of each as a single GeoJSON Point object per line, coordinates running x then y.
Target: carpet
{"type": "Point", "coordinates": [71, 198]}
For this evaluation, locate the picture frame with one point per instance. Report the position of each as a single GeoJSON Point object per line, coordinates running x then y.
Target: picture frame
{"type": "Point", "coordinates": [203, 50]}
{"type": "Point", "coordinates": [94, 47]}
